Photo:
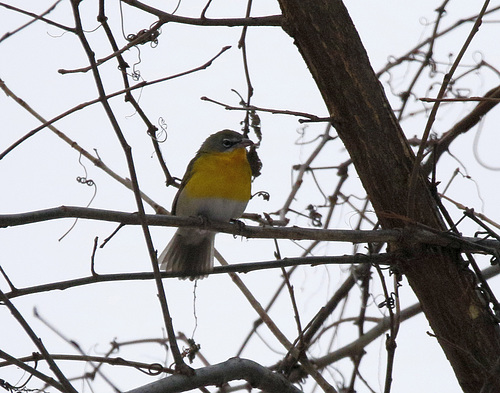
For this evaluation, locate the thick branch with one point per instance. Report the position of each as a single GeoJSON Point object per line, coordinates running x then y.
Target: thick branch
{"type": "Point", "coordinates": [233, 369]}
{"type": "Point", "coordinates": [333, 52]}
{"type": "Point", "coordinates": [408, 236]}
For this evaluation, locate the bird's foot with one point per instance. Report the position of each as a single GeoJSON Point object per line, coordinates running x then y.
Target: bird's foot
{"type": "Point", "coordinates": [240, 224]}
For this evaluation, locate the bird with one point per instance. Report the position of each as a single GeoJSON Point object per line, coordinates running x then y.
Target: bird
{"type": "Point", "coordinates": [215, 186]}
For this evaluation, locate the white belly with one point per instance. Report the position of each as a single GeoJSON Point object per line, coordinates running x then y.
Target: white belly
{"type": "Point", "coordinates": [216, 209]}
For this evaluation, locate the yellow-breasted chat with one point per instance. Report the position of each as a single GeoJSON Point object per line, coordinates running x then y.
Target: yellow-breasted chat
{"type": "Point", "coordinates": [217, 186]}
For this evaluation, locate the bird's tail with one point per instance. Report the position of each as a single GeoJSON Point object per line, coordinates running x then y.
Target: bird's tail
{"type": "Point", "coordinates": [190, 252]}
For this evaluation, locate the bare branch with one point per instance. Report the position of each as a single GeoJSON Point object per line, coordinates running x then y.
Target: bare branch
{"type": "Point", "coordinates": [66, 385]}
{"type": "Point", "coordinates": [295, 233]}
{"type": "Point", "coordinates": [35, 18]}
{"type": "Point", "coordinates": [441, 10]}
{"type": "Point", "coordinates": [140, 39]}
{"type": "Point", "coordinates": [127, 150]}
{"type": "Point", "coordinates": [308, 116]}
{"type": "Point", "coordinates": [325, 138]}
{"type": "Point", "coordinates": [273, 20]}
{"type": "Point", "coordinates": [258, 376]}
{"type": "Point", "coordinates": [310, 369]}
{"type": "Point", "coordinates": [357, 345]}
{"type": "Point", "coordinates": [432, 116]}
{"type": "Point", "coordinates": [11, 360]}
{"type": "Point", "coordinates": [416, 49]}
{"type": "Point", "coordinates": [95, 160]}
{"type": "Point", "coordinates": [383, 259]}
{"type": "Point", "coordinates": [106, 97]}
{"type": "Point", "coordinates": [465, 124]}
{"type": "Point", "coordinates": [153, 369]}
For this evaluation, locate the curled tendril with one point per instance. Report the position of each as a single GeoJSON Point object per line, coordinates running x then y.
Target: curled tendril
{"type": "Point", "coordinates": [315, 216]}
{"type": "Point", "coordinates": [424, 21]}
{"type": "Point", "coordinates": [7, 386]}
{"type": "Point", "coordinates": [135, 75]}
{"type": "Point", "coordinates": [478, 57]}
{"type": "Point", "coordinates": [84, 180]}
{"type": "Point", "coordinates": [144, 36]}
{"type": "Point", "coordinates": [21, 388]}
{"type": "Point", "coordinates": [160, 134]}
{"type": "Point", "coordinates": [263, 194]}
{"type": "Point", "coordinates": [154, 369]}
{"type": "Point", "coordinates": [389, 302]}
{"type": "Point", "coordinates": [88, 182]}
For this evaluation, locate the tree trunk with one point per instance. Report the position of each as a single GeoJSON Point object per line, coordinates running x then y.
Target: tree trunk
{"type": "Point", "coordinates": [363, 118]}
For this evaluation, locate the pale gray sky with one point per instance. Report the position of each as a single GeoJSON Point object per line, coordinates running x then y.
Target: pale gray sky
{"type": "Point", "coordinates": [41, 174]}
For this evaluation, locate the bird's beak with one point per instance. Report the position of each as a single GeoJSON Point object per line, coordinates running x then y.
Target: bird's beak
{"type": "Point", "coordinates": [246, 142]}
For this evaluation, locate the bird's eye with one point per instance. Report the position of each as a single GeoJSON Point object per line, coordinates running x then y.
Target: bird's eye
{"type": "Point", "coordinates": [227, 143]}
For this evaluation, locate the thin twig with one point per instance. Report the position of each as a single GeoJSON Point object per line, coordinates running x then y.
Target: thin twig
{"type": "Point", "coordinates": [360, 321]}
{"type": "Point", "coordinates": [273, 111]}
{"type": "Point", "coordinates": [441, 10]}
{"type": "Point", "coordinates": [325, 138]}
{"type": "Point", "coordinates": [310, 369]}
{"type": "Point", "coordinates": [122, 66]}
{"type": "Point", "coordinates": [83, 105]}
{"type": "Point", "coordinates": [465, 124]}
{"type": "Point", "coordinates": [464, 208]}
{"type": "Point", "coordinates": [408, 55]}
{"type": "Point", "coordinates": [432, 116]}
{"type": "Point", "coordinates": [242, 45]}
{"type": "Point", "coordinates": [65, 384]}
{"type": "Point", "coordinates": [180, 365]}
{"type": "Point", "coordinates": [11, 360]}
{"type": "Point", "coordinates": [140, 39]}
{"type": "Point", "coordinates": [273, 20]}
{"type": "Point", "coordinates": [35, 18]}
{"type": "Point", "coordinates": [96, 160]}
{"type": "Point", "coordinates": [78, 348]}
{"type": "Point", "coordinates": [462, 99]}
{"type": "Point", "coordinates": [113, 361]}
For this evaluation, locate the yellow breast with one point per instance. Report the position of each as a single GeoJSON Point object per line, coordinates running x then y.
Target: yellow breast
{"type": "Point", "coordinates": [221, 175]}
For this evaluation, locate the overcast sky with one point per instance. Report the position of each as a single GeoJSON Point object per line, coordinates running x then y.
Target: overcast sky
{"type": "Point", "coordinates": [41, 174]}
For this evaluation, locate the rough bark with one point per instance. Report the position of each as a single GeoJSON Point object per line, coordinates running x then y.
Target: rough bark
{"type": "Point", "coordinates": [329, 43]}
